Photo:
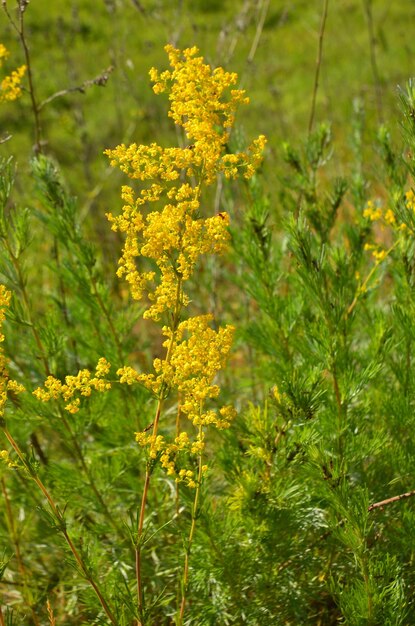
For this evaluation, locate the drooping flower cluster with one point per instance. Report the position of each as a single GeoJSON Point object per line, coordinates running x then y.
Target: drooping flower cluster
{"type": "Point", "coordinates": [175, 236]}
{"type": "Point", "coordinates": [10, 88]}
{"type": "Point", "coordinates": [80, 385]}
{"type": "Point", "coordinates": [6, 383]}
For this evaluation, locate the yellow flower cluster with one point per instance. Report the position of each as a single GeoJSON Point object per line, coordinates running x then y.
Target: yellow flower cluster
{"type": "Point", "coordinates": [410, 199]}
{"type": "Point", "coordinates": [387, 218]}
{"type": "Point", "coordinates": [379, 254]}
{"type": "Point", "coordinates": [169, 241]}
{"type": "Point", "coordinates": [10, 85]}
{"type": "Point", "coordinates": [175, 236]}
{"type": "Point", "coordinates": [372, 212]}
{"type": "Point", "coordinates": [6, 384]}
{"type": "Point", "coordinates": [7, 460]}
{"type": "Point", "coordinates": [171, 454]}
{"type": "Point", "coordinates": [81, 384]}
{"type": "Point", "coordinates": [197, 353]}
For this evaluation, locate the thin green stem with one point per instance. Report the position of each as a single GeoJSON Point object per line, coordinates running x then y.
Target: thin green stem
{"type": "Point", "coordinates": [22, 286]}
{"type": "Point", "coordinates": [160, 402]}
{"type": "Point", "coordinates": [177, 496]}
{"type": "Point", "coordinates": [318, 65]}
{"type": "Point", "coordinates": [195, 513]}
{"type": "Point", "coordinates": [107, 316]}
{"type": "Point", "coordinates": [87, 472]}
{"type": "Point", "coordinates": [367, 5]}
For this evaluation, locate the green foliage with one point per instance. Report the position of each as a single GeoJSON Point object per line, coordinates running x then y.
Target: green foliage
{"type": "Point", "coordinates": [298, 521]}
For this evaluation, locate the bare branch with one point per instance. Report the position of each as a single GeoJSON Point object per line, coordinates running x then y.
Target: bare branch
{"type": "Point", "coordinates": [382, 503]}
{"type": "Point", "coordinates": [99, 80]}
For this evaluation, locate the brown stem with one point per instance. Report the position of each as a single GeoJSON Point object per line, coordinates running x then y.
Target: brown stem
{"type": "Point", "coordinates": [318, 65]}
{"type": "Point", "coordinates": [140, 597]}
{"type": "Point", "coordinates": [382, 503]}
{"type": "Point", "coordinates": [35, 109]}
{"type": "Point", "coordinates": [62, 527]}
{"type": "Point", "coordinates": [19, 28]}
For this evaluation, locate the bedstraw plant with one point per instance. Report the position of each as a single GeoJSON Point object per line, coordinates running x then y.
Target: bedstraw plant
{"type": "Point", "coordinates": [220, 431]}
{"type": "Point", "coordinates": [159, 259]}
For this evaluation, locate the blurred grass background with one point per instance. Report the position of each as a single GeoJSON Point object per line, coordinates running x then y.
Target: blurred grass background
{"type": "Point", "coordinates": [272, 44]}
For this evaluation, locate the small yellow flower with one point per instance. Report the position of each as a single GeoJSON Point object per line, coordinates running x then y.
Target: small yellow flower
{"type": "Point", "coordinates": [390, 217]}
{"type": "Point", "coordinates": [5, 457]}
{"type": "Point", "coordinates": [276, 393]}
{"type": "Point", "coordinates": [6, 383]}
{"type": "Point", "coordinates": [410, 199]}
{"type": "Point", "coordinates": [372, 212]}
{"type": "Point", "coordinates": [10, 85]}
{"type": "Point", "coordinates": [379, 255]}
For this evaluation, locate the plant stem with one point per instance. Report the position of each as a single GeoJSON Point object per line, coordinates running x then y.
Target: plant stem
{"type": "Point", "coordinates": [160, 402]}
{"type": "Point", "coordinates": [195, 512]}
{"type": "Point", "coordinates": [367, 5]}
{"type": "Point", "coordinates": [20, 29]}
{"type": "Point", "coordinates": [21, 282]}
{"type": "Point", "coordinates": [140, 597]}
{"type": "Point", "coordinates": [259, 29]}
{"type": "Point", "coordinates": [318, 65]}
{"type": "Point", "coordinates": [107, 317]}
{"type": "Point", "coordinates": [382, 503]}
{"type": "Point", "coordinates": [62, 526]}
{"type": "Point", "coordinates": [177, 497]}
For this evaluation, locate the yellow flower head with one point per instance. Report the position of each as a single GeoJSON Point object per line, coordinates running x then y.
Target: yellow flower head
{"type": "Point", "coordinates": [75, 386]}
{"type": "Point", "coordinates": [410, 199]}
{"type": "Point", "coordinates": [10, 85]}
{"type": "Point", "coordinates": [372, 212]}
{"type": "Point", "coordinates": [6, 383]}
